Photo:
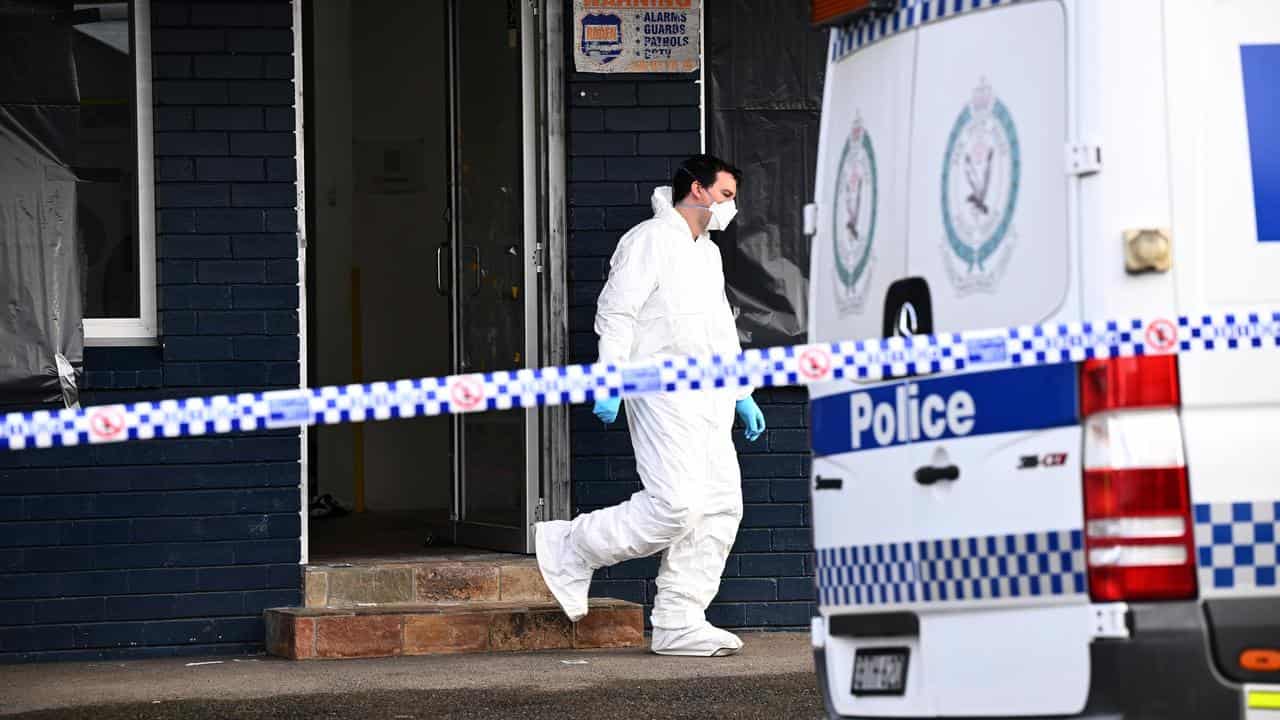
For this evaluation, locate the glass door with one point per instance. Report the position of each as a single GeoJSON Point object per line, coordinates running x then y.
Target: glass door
{"type": "Point", "coordinates": [494, 288]}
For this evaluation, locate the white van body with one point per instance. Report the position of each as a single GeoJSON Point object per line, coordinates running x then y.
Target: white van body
{"type": "Point", "coordinates": [1000, 151]}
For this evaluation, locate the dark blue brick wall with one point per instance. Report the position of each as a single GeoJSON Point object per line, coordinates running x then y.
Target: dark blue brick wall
{"type": "Point", "coordinates": [176, 547]}
{"type": "Point", "coordinates": [627, 133]}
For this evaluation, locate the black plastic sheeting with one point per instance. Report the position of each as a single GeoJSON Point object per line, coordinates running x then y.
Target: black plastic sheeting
{"type": "Point", "coordinates": [764, 71]}
{"type": "Point", "coordinates": [41, 307]}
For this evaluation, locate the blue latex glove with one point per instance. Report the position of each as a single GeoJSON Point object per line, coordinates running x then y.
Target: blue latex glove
{"type": "Point", "coordinates": [752, 419]}
{"type": "Point", "coordinates": [607, 409]}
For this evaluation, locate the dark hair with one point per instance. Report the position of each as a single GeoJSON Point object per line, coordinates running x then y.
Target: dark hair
{"type": "Point", "coordinates": [702, 168]}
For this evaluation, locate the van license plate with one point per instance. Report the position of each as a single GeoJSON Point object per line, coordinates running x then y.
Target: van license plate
{"type": "Point", "coordinates": [880, 671]}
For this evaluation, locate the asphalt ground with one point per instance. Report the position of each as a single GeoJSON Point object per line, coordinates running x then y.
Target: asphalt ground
{"type": "Point", "coordinates": [772, 678]}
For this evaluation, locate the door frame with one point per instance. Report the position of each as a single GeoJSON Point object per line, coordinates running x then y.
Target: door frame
{"type": "Point", "coordinates": [545, 300]}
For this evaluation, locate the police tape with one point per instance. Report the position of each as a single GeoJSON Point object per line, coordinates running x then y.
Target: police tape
{"type": "Point", "coordinates": [865, 360]}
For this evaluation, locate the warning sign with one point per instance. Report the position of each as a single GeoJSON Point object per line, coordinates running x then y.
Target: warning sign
{"type": "Point", "coordinates": [649, 36]}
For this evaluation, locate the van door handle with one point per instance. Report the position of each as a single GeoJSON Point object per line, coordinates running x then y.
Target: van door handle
{"type": "Point", "coordinates": [824, 483]}
{"type": "Point", "coordinates": [929, 474]}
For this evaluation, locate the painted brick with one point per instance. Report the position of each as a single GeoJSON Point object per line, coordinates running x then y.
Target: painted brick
{"type": "Point", "coordinates": [175, 169]}
{"type": "Point", "coordinates": [586, 169]}
{"type": "Point", "coordinates": [747, 589]}
{"type": "Point", "coordinates": [789, 440]}
{"type": "Point", "coordinates": [230, 221]}
{"type": "Point", "coordinates": [189, 92]}
{"type": "Point", "coordinates": [778, 614]}
{"type": "Point", "coordinates": [602, 193]}
{"type": "Point", "coordinates": [264, 195]}
{"type": "Point", "coordinates": [171, 67]}
{"type": "Point", "coordinates": [773, 516]}
{"type": "Point", "coordinates": [683, 118]}
{"type": "Point", "coordinates": [228, 67]}
{"type": "Point", "coordinates": [231, 323]}
{"type": "Point", "coordinates": [263, 144]}
{"type": "Point", "coordinates": [637, 168]}
{"type": "Point", "coordinates": [790, 491]}
{"type": "Point", "coordinates": [603, 94]}
{"type": "Point", "coordinates": [228, 118]}
{"type": "Point", "coordinates": [585, 218]}
{"type": "Point", "coordinates": [279, 67]}
{"type": "Point", "coordinates": [672, 143]}
{"type": "Point", "coordinates": [192, 195]}
{"type": "Point", "coordinates": [175, 221]}
{"type": "Point", "coordinates": [602, 144]}
{"type": "Point", "coordinates": [585, 120]}
{"type": "Point", "coordinates": [282, 220]}
{"type": "Point", "coordinates": [260, 92]}
{"type": "Point", "coordinates": [230, 168]}
{"type": "Point", "coordinates": [166, 119]}
{"type": "Point", "coordinates": [181, 349]}
{"type": "Point", "coordinates": [796, 589]}
{"type": "Point", "coordinates": [188, 40]}
{"type": "Point", "coordinates": [751, 540]}
{"type": "Point", "coordinates": [667, 93]}
{"type": "Point", "coordinates": [261, 41]}
{"type": "Point", "coordinates": [727, 615]}
{"type": "Point", "coordinates": [169, 14]}
{"type": "Point", "coordinates": [232, 271]}
{"type": "Point", "coordinates": [190, 297]}
{"type": "Point", "coordinates": [634, 119]}
{"type": "Point", "coordinates": [250, 297]}
{"type": "Point", "coordinates": [266, 348]}
{"type": "Point", "coordinates": [282, 169]}
{"type": "Point", "coordinates": [191, 143]}
{"type": "Point", "coordinates": [625, 218]}
{"type": "Point", "coordinates": [232, 14]}
{"type": "Point", "coordinates": [770, 466]}
{"type": "Point", "coordinates": [772, 565]}
{"type": "Point", "coordinates": [629, 590]}
{"type": "Point", "coordinates": [793, 539]}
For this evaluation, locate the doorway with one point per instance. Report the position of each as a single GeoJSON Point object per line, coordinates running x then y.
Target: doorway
{"type": "Point", "coordinates": [423, 226]}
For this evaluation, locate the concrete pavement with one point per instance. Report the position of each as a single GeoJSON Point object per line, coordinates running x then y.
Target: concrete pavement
{"type": "Point", "coordinates": [773, 677]}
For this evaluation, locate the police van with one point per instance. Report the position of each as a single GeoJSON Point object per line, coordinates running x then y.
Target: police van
{"type": "Point", "coordinates": [1094, 539]}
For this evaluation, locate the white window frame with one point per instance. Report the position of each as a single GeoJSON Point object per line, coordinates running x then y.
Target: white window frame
{"type": "Point", "coordinates": [143, 329]}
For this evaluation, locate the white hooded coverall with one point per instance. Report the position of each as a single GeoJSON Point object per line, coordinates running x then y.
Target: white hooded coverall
{"type": "Point", "coordinates": [665, 297]}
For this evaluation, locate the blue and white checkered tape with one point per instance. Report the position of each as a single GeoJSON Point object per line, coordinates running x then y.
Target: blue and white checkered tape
{"type": "Point", "coordinates": [1238, 545]}
{"type": "Point", "coordinates": [909, 14]}
{"type": "Point", "coordinates": [873, 359]}
{"type": "Point", "coordinates": [989, 568]}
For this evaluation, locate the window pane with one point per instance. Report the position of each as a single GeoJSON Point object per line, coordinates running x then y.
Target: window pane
{"type": "Point", "coordinates": [106, 160]}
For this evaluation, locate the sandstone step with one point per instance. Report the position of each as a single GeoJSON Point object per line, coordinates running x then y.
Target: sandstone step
{"type": "Point", "coordinates": [493, 578]}
{"type": "Point", "coordinates": [448, 627]}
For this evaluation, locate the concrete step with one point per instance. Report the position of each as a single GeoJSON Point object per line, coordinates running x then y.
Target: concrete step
{"type": "Point", "coordinates": [448, 627]}
{"type": "Point", "coordinates": [492, 578]}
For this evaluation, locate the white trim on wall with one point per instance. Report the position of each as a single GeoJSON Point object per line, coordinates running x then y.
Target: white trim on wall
{"type": "Point", "coordinates": [300, 152]}
{"type": "Point", "coordinates": [141, 330]}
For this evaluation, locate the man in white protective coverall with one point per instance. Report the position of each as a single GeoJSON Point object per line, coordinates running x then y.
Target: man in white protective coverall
{"type": "Point", "coordinates": [665, 297]}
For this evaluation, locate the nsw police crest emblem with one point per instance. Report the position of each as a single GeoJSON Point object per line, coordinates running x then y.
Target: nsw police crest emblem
{"type": "Point", "coordinates": [980, 176]}
{"type": "Point", "coordinates": [854, 203]}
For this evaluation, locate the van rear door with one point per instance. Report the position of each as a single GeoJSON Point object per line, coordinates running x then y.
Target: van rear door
{"type": "Point", "coordinates": [1224, 95]}
{"type": "Point", "coordinates": [966, 509]}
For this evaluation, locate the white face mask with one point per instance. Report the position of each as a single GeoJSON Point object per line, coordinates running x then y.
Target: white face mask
{"type": "Point", "coordinates": [721, 213]}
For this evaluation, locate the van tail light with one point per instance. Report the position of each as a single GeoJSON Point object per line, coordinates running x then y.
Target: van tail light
{"type": "Point", "coordinates": [831, 12]}
{"type": "Point", "coordinates": [1138, 529]}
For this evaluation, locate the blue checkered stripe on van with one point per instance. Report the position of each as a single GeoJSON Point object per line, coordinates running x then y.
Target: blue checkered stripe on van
{"type": "Point", "coordinates": [993, 567]}
{"type": "Point", "coordinates": [1238, 545]}
{"type": "Point", "coordinates": [910, 13]}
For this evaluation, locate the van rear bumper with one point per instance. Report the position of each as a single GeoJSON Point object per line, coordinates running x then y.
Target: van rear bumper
{"type": "Point", "coordinates": [1163, 671]}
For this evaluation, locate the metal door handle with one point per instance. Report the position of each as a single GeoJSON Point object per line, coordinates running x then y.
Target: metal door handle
{"type": "Point", "coordinates": [440, 269]}
{"type": "Point", "coordinates": [929, 475]}
{"type": "Point", "coordinates": [476, 249]}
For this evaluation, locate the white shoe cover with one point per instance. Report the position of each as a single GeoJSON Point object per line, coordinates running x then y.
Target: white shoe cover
{"type": "Point", "coordinates": [703, 640]}
{"type": "Point", "coordinates": [566, 575]}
